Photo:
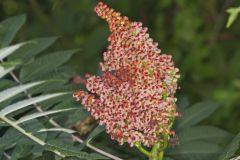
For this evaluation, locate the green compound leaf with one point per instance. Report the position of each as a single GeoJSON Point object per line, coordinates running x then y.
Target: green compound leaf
{"type": "Point", "coordinates": [205, 133]}
{"type": "Point", "coordinates": [4, 71]}
{"type": "Point", "coordinates": [70, 151]}
{"type": "Point", "coordinates": [196, 150]}
{"type": "Point", "coordinates": [99, 129]}
{"type": "Point", "coordinates": [10, 92]}
{"type": "Point", "coordinates": [8, 29]}
{"type": "Point", "coordinates": [40, 114]}
{"type": "Point", "coordinates": [45, 64]}
{"type": "Point", "coordinates": [233, 14]}
{"type": "Point", "coordinates": [4, 52]}
{"type": "Point", "coordinates": [7, 67]}
{"type": "Point", "coordinates": [24, 103]}
{"type": "Point", "coordinates": [10, 64]}
{"type": "Point", "coordinates": [229, 151]}
{"type": "Point", "coordinates": [32, 48]}
{"type": "Point", "coordinates": [196, 113]}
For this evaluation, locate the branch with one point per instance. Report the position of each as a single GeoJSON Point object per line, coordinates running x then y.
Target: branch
{"type": "Point", "coordinates": [235, 158]}
{"type": "Point", "coordinates": [6, 155]}
{"type": "Point", "coordinates": [29, 135]}
{"type": "Point", "coordinates": [141, 149]}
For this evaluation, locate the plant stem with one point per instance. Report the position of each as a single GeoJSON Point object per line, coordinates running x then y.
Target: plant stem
{"type": "Point", "coordinates": [6, 155]}
{"type": "Point", "coordinates": [17, 127]}
{"type": "Point", "coordinates": [161, 155]}
{"type": "Point", "coordinates": [103, 152]}
{"type": "Point", "coordinates": [141, 149]}
{"type": "Point", "coordinates": [155, 151]}
{"type": "Point", "coordinates": [29, 135]}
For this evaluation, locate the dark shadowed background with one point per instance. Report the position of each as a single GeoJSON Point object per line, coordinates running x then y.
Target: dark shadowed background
{"type": "Point", "coordinates": [194, 32]}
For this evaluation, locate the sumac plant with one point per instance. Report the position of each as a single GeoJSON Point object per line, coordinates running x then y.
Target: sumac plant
{"type": "Point", "coordinates": [134, 96]}
{"type": "Point", "coordinates": [133, 101]}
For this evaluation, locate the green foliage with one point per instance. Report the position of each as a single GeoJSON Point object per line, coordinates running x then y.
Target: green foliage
{"type": "Point", "coordinates": [194, 32]}
{"type": "Point", "coordinates": [45, 65]}
{"type": "Point", "coordinates": [195, 150]}
{"type": "Point", "coordinates": [198, 141]}
{"type": "Point", "coordinates": [9, 28]}
{"type": "Point", "coordinates": [204, 133]}
{"type": "Point", "coordinates": [200, 49]}
{"type": "Point", "coordinates": [196, 113]}
{"type": "Point", "coordinates": [71, 151]}
{"type": "Point", "coordinates": [229, 151]}
{"type": "Point", "coordinates": [33, 48]}
{"type": "Point", "coordinates": [233, 14]}
{"type": "Point", "coordinates": [94, 133]}
{"type": "Point", "coordinates": [24, 116]}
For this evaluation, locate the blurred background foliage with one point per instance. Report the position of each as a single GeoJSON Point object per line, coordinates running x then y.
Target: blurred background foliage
{"type": "Point", "coordinates": [194, 32]}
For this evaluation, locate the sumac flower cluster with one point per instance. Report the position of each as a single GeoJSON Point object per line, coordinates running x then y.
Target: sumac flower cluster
{"type": "Point", "coordinates": [134, 96]}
